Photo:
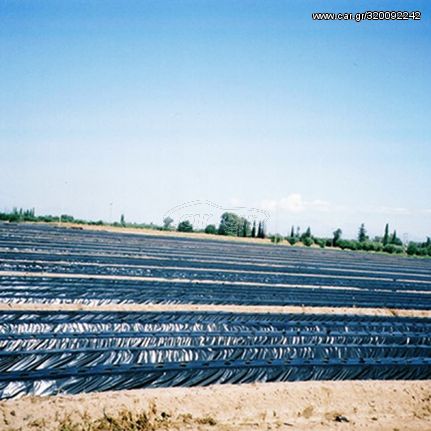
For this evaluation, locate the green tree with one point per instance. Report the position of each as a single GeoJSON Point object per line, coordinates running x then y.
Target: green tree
{"type": "Point", "coordinates": [167, 221]}
{"type": "Point", "coordinates": [261, 232]}
{"type": "Point", "coordinates": [386, 235]}
{"type": "Point", "coordinates": [185, 226]}
{"type": "Point", "coordinates": [394, 239]}
{"type": "Point", "coordinates": [253, 229]}
{"type": "Point", "coordinates": [276, 239]}
{"type": "Point", "coordinates": [412, 249]}
{"type": "Point", "coordinates": [337, 236]}
{"type": "Point", "coordinates": [321, 242]}
{"type": "Point", "coordinates": [245, 227]}
{"type": "Point", "coordinates": [292, 232]}
{"type": "Point", "coordinates": [308, 241]}
{"type": "Point", "coordinates": [306, 234]}
{"type": "Point", "coordinates": [230, 224]}
{"type": "Point", "coordinates": [362, 235]}
{"type": "Point", "coordinates": [211, 229]}
{"type": "Point", "coordinates": [292, 240]}
{"type": "Point", "coordinates": [122, 220]}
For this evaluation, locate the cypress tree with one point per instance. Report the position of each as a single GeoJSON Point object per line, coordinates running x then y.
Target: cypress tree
{"type": "Point", "coordinates": [337, 236]}
{"type": "Point", "coordinates": [362, 235]}
{"type": "Point", "coordinates": [244, 228]}
{"type": "Point", "coordinates": [292, 232]}
{"type": "Point", "coordinates": [262, 230]}
{"type": "Point", "coordinates": [386, 235]}
{"type": "Point", "coordinates": [253, 229]}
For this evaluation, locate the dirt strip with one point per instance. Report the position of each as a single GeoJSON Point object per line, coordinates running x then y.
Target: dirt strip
{"type": "Point", "coordinates": [59, 306]}
{"type": "Point", "coordinates": [334, 405]}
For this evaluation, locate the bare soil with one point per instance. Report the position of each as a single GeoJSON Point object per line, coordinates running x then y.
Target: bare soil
{"type": "Point", "coordinates": [346, 405]}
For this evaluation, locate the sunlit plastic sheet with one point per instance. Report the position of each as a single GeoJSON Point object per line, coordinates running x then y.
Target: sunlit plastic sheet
{"type": "Point", "coordinates": [314, 277]}
{"type": "Point", "coordinates": [89, 245]}
{"type": "Point", "coordinates": [72, 352]}
{"type": "Point", "coordinates": [119, 264]}
{"type": "Point", "coordinates": [366, 280]}
{"type": "Point", "coordinates": [102, 291]}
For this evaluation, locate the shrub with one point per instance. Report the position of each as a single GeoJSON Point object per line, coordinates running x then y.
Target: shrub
{"type": "Point", "coordinates": [307, 241]}
{"type": "Point", "coordinates": [167, 221]}
{"type": "Point", "coordinates": [185, 226]}
{"type": "Point", "coordinates": [67, 218]}
{"type": "Point", "coordinates": [392, 248]}
{"type": "Point", "coordinates": [412, 249]}
{"type": "Point", "coordinates": [320, 242]}
{"type": "Point", "coordinates": [211, 229]}
{"type": "Point", "coordinates": [349, 245]}
{"type": "Point", "coordinates": [275, 239]}
{"type": "Point", "coordinates": [291, 240]}
{"type": "Point", "coordinates": [370, 246]}
{"type": "Point", "coordinates": [337, 237]}
{"type": "Point", "coordinates": [421, 251]}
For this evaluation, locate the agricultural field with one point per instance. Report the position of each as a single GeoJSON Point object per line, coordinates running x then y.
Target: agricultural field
{"type": "Point", "coordinates": [70, 324]}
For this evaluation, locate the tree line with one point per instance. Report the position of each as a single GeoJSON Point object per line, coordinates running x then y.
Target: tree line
{"type": "Point", "coordinates": [389, 242]}
{"type": "Point", "coordinates": [232, 224]}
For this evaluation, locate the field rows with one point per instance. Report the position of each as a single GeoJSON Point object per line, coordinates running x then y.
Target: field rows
{"type": "Point", "coordinates": [48, 352]}
{"type": "Point", "coordinates": [45, 352]}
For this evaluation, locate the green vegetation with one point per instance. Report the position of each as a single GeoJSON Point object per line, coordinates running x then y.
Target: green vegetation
{"type": "Point", "coordinates": [389, 243]}
{"type": "Point", "coordinates": [253, 229]}
{"type": "Point", "coordinates": [276, 239]}
{"type": "Point", "coordinates": [167, 222]}
{"type": "Point", "coordinates": [233, 225]}
{"type": "Point", "coordinates": [337, 237]}
{"type": "Point", "coordinates": [185, 226]}
{"type": "Point", "coordinates": [362, 235]}
{"type": "Point", "coordinates": [261, 230]}
{"type": "Point", "coordinates": [386, 235]}
{"type": "Point", "coordinates": [419, 249]}
{"type": "Point", "coordinates": [211, 229]}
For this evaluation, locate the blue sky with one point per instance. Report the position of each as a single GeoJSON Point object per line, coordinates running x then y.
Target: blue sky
{"type": "Point", "coordinates": [151, 104]}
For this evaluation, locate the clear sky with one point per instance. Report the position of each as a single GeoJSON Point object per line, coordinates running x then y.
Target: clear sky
{"type": "Point", "coordinates": [151, 104]}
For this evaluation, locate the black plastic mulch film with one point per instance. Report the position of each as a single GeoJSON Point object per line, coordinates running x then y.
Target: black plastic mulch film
{"type": "Point", "coordinates": [71, 352]}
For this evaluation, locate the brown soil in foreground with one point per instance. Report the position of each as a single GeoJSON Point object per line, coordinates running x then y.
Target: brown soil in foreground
{"type": "Point", "coordinates": [347, 405]}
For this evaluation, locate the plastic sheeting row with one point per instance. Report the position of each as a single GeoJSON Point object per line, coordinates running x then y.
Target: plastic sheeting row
{"type": "Point", "coordinates": [60, 240]}
{"type": "Point", "coordinates": [72, 352]}
{"type": "Point", "coordinates": [100, 291]}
